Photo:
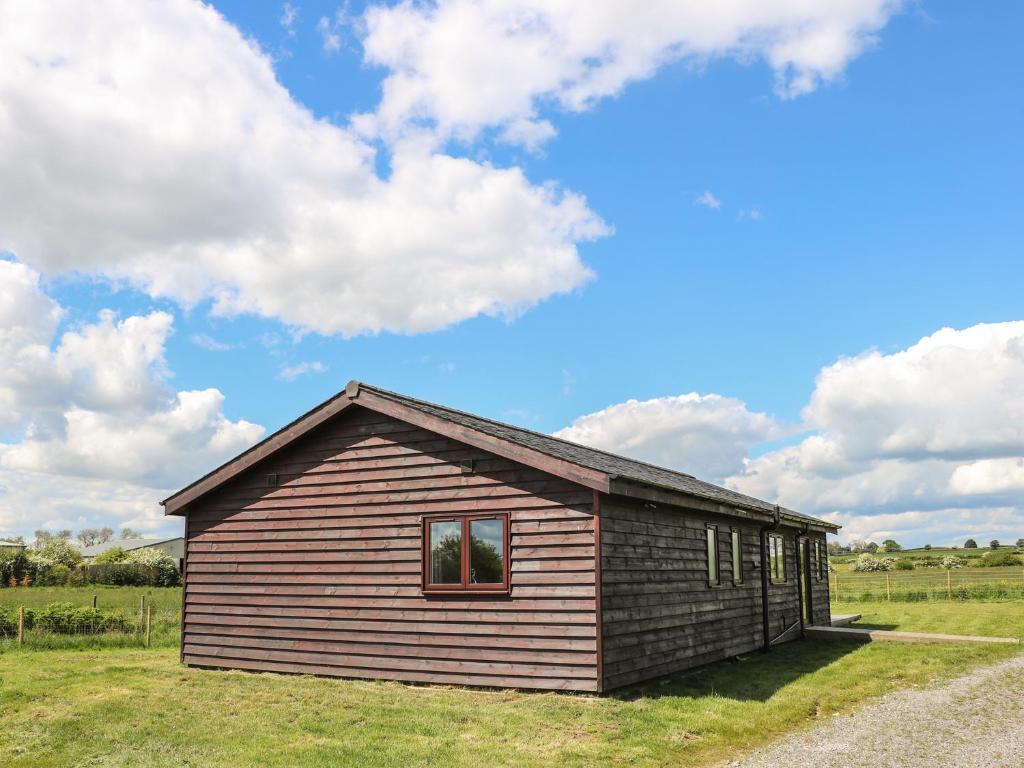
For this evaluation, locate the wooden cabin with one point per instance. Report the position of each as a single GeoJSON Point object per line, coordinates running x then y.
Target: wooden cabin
{"type": "Point", "coordinates": [384, 537]}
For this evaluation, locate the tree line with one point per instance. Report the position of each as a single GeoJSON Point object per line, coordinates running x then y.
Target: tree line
{"type": "Point", "coordinates": [87, 537]}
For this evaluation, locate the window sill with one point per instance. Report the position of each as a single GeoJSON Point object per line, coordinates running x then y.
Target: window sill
{"type": "Point", "coordinates": [497, 592]}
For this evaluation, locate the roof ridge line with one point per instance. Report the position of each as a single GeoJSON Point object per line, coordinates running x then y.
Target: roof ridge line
{"type": "Point", "coordinates": [398, 396]}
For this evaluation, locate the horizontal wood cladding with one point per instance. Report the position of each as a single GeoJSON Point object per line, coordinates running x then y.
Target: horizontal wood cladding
{"type": "Point", "coordinates": [659, 613]}
{"type": "Point", "coordinates": [310, 562]}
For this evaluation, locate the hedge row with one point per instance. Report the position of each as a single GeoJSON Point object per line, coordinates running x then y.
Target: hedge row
{"type": "Point", "coordinates": [18, 569]}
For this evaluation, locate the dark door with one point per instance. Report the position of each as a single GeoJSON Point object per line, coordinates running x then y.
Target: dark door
{"type": "Point", "coordinates": [806, 581]}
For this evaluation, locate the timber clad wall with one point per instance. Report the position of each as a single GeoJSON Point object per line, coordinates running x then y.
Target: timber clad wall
{"type": "Point", "coordinates": [659, 614]}
{"type": "Point", "coordinates": [318, 569]}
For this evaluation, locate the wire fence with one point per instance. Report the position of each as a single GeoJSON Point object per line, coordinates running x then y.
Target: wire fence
{"type": "Point", "coordinates": [64, 625]}
{"type": "Point", "coordinates": [933, 584]}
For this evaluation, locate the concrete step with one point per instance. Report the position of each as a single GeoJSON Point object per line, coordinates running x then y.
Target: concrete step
{"type": "Point", "coordinates": [845, 620]}
{"type": "Point", "coordinates": [874, 635]}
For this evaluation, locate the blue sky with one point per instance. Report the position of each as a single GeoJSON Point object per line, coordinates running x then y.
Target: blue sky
{"type": "Point", "coordinates": [866, 214]}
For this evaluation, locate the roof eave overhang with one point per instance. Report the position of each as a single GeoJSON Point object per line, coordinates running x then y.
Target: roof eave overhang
{"type": "Point", "coordinates": [657, 494]}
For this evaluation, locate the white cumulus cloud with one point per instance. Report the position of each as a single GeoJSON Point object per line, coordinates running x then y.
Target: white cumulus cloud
{"type": "Point", "coordinates": [930, 436]}
{"type": "Point", "coordinates": [705, 435]}
{"type": "Point", "coordinates": [151, 142]}
{"type": "Point", "coordinates": [458, 67]}
{"type": "Point", "coordinates": [96, 432]}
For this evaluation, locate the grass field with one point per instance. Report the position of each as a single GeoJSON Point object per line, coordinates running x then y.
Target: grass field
{"type": "Point", "coordinates": [1002, 619]}
{"type": "Point", "coordinates": [930, 584]}
{"type": "Point", "coordinates": [125, 598]}
{"type": "Point", "coordinates": [139, 707]}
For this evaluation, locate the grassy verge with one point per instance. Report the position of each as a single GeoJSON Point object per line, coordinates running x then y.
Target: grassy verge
{"type": "Point", "coordinates": [134, 707]}
{"type": "Point", "coordinates": [997, 619]}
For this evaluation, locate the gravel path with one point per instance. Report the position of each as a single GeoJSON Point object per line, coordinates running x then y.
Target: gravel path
{"type": "Point", "coordinates": [975, 721]}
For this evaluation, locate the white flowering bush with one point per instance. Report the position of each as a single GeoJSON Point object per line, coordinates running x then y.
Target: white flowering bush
{"type": "Point", "coordinates": [165, 569]}
{"type": "Point", "coordinates": [949, 562]}
{"type": "Point", "coordinates": [868, 563]}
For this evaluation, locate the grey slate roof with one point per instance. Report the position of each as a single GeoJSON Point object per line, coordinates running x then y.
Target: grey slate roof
{"type": "Point", "coordinates": [126, 544]}
{"type": "Point", "coordinates": [602, 461]}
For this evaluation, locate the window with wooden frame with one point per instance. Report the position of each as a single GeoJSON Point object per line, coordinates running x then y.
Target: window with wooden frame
{"type": "Point", "coordinates": [777, 557]}
{"type": "Point", "coordinates": [736, 540]}
{"type": "Point", "coordinates": [819, 561]}
{"type": "Point", "coordinates": [714, 566]}
{"type": "Point", "coordinates": [466, 553]}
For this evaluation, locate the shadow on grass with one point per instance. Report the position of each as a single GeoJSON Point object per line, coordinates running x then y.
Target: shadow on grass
{"type": "Point", "coordinates": [753, 677]}
{"type": "Point", "coordinates": [872, 625]}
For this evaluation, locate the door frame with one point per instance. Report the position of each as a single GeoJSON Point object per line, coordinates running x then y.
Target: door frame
{"type": "Point", "coordinates": [806, 580]}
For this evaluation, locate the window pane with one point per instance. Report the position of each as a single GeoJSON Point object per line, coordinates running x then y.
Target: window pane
{"type": "Point", "coordinates": [713, 555]}
{"type": "Point", "coordinates": [778, 564]}
{"type": "Point", "coordinates": [446, 552]}
{"type": "Point", "coordinates": [737, 557]}
{"type": "Point", "coordinates": [486, 552]}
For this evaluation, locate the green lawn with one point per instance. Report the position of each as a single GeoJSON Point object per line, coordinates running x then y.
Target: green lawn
{"type": "Point", "coordinates": [1001, 619]}
{"type": "Point", "coordinates": [162, 599]}
{"type": "Point", "coordinates": [138, 707]}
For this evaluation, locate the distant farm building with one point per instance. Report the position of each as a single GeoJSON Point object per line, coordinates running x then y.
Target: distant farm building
{"type": "Point", "coordinates": [175, 547]}
{"type": "Point", "coordinates": [379, 536]}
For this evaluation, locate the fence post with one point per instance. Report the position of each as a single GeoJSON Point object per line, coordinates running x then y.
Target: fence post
{"type": "Point", "coordinates": [142, 604]}
{"type": "Point", "coordinates": [149, 625]}
{"type": "Point", "coordinates": [94, 601]}
{"type": "Point", "coordinates": [21, 625]}
{"type": "Point", "coordinates": [949, 584]}
{"type": "Point", "coordinates": [888, 588]}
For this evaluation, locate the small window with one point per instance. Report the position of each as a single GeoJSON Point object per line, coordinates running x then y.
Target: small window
{"type": "Point", "coordinates": [737, 556]}
{"type": "Point", "coordinates": [777, 557]}
{"type": "Point", "coordinates": [467, 553]}
{"type": "Point", "coordinates": [714, 572]}
{"type": "Point", "coordinates": [819, 561]}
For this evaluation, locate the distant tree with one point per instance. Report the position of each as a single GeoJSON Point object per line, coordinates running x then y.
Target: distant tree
{"type": "Point", "coordinates": [994, 544]}
{"type": "Point", "coordinates": [15, 539]}
{"type": "Point", "coordinates": [857, 545]}
{"type": "Point", "coordinates": [970, 544]}
{"type": "Point", "coordinates": [112, 555]}
{"type": "Point", "coordinates": [928, 546]}
{"type": "Point", "coordinates": [41, 537]}
{"type": "Point", "coordinates": [1020, 543]}
{"type": "Point", "coordinates": [871, 547]}
{"type": "Point", "coordinates": [64, 535]}
{"type": "Point", "coordinates": [834, 548]}
{"type": "Point", "coordinates": [889, 545]}
{"type": "Point", "coordinates": [130, 533]}
{"type": "Point", "coordinates": [57, 551]}
{"type": "Point", "coordinates": [89, 537]}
